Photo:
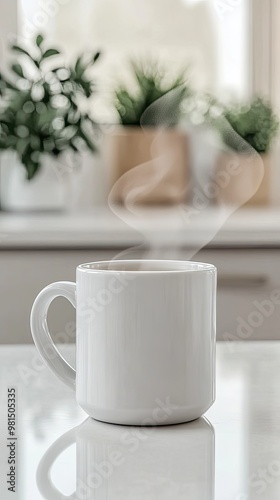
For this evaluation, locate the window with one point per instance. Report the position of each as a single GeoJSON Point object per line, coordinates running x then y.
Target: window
{"type": "Point", "coordinates": [210, 36]}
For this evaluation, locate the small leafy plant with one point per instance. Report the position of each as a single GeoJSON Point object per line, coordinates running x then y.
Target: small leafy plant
{"type": "Point", "coordinates": [41, 105]}
{"type": "Point", "coordinates": [154, 102]}
{"type": "Point", "coordinates": [256, 124]}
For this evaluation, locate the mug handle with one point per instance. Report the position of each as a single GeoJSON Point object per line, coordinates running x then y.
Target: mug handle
{"type": "Point", "coordinates": [43, 475]}
{"type": "Point", "coordinates": [40, 331]}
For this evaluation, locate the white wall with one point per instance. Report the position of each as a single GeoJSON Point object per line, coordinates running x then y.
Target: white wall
{"type": "Point", "coordinates": [8, 25]}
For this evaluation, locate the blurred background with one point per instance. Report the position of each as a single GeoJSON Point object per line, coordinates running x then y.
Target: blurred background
{"type": "Point", "coordinates": [140, 129]}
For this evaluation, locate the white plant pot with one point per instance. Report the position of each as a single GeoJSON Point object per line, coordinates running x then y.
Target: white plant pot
{"type": "Point", "coordinates": [46, 191]}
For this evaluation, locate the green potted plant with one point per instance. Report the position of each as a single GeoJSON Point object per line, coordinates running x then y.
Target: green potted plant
{"type": "Point", "coordinates": [248, 138]}
{"type": "Point", "coordinates": [42, 119]}
{"type": "Point", "coordinates": [147, 154]}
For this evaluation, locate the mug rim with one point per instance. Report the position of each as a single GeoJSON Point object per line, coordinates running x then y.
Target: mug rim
{"type": "Point", "coordinates": [179, 266]}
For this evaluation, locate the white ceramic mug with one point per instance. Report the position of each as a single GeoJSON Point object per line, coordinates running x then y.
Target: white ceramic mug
{"type": "Point", "coordinates": [127, 463]}
{"type": "Point", "coordinates": [145, 339]}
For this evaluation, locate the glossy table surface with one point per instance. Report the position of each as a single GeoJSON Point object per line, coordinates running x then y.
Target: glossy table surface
{"type": "Point", "coordinates": [232, 454]}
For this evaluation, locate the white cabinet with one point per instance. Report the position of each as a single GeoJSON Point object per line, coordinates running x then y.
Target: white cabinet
{"type": "Point", "coordinates": [248, 301]}
{"type": "Point", "coordinates": [248, 284]}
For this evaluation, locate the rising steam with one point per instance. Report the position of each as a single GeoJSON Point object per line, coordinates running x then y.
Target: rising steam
{"type": "Point", "coordinates": [204, 201]}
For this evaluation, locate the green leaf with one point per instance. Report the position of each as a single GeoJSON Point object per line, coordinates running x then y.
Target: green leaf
{"type": "Point", "coordinates": [21, 146]}
{"type": "Point", "coordinates": [50, 53]}
{"type": "Point", "coordinates": [79, 69]}
{"type": "Point", "coordinates": [19, 49]}
{"type": "Point", "coordinates": [63, 74]}
{"type": "Point", "coordinates": [73, 145]}
{"type": "Point", "coordinates": [96, 57]}
{"type": "Point", "coordinates": [48, 145]}
{"type": "Point", "coordinates": [86, 86]}
{"type": "Point", "coordinates": [22, 51]}
{"type": "Point", "coordinates": [31, 167]}
{"type": "Point", "coordinates": [17, 68]}
{"type": "Point", "coordinates": [89, 143]}
{"type": "Point", "coordinates": [39, 40]}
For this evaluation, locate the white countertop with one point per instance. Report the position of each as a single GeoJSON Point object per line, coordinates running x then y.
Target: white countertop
{"type": "Point", "coordinates": [100, 228]}
{"type": "Point", "coordinates": [233, 455]}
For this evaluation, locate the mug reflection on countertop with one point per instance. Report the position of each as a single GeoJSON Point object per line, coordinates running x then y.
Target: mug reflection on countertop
{"type": "Point", "coordinates": [119, 462]}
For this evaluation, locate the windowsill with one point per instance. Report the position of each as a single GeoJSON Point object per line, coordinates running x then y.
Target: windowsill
{"type": "Point", "coordinates": [167, 227]}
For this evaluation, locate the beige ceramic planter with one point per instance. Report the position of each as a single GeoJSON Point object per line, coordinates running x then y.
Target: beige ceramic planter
{"type": "Point", "coordinates": [238, 177]}
{"type": "Point", "coordinates": [147, 166]}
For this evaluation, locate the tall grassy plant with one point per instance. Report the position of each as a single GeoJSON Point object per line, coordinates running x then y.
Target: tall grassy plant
{"type": "Point", "coordinates": [154, 102]}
